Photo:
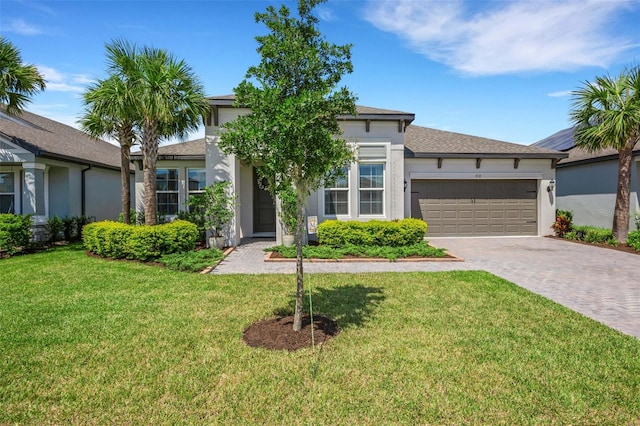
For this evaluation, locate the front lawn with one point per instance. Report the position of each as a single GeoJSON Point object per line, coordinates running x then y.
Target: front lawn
{"type": "Point", "coordinates": [92, 341]}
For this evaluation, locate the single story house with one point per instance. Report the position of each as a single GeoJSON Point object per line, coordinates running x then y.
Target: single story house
{"type": "Point", "coordinates": [587, 181]}
{"type": "Point", "coordinates": [460, 185]}
{"type": "Point", "coordinates": [48, 168]}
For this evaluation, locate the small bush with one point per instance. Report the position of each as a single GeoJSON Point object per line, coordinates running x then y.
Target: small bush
{"type": "Point", "coordinates": [562, 225]}
{"type": "Point", "coordinates": [191, 261]}
{"type": "Point", "coordinates": [118, 240]}
{"type": "Point", "coordinates": [633, 239]}
{"type": "Point", "coordinates": [395, 233]}
{"type": "Point", "coordinates": [15, 232]}
{"type": "Point", "coordinates": [55, 227]}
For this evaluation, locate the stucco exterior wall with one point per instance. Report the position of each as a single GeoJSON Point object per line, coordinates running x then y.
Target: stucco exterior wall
{"type": "Point", "coordinates": [589, 191]}
{"type": "Point", "coordinates": [380, 133]}
{"type": "Point", "coordinates": [465, 168]}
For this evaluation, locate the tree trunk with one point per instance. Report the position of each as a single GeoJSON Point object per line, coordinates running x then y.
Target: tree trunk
{"type": "Point", "coordinates": [125, 180]}
{"type": "Point", "coordinates": [299, 240]}
{"type": "Point", "coordinates": [149, 159]}
{"type": "Point", "coordinates": [620, 226]}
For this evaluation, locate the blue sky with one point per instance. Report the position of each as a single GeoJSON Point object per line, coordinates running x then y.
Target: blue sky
{"type": "Point", "coordinates": [497, 69]}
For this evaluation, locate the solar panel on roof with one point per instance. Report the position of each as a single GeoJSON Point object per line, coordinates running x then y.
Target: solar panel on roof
{"type": "Point", "coordinates": [560, 141]}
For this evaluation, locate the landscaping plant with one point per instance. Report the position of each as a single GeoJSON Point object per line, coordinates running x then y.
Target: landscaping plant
{"type": "Point", "coordinates": [562, 225]}
{"type": "Point", "coordinates": [292, 136]}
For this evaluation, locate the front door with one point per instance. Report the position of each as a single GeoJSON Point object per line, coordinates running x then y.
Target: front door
{"type": "Point", "coordinates": [264, 209]}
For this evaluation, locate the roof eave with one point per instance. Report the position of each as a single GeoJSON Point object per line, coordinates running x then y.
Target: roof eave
{"type": "Point", "coordinates": [545, 155]}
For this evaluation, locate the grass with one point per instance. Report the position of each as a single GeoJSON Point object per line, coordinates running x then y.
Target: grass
{"type": "Point", "coordinates": [92, 341]}
{"type": "Point", "coordinates": [393, 253]}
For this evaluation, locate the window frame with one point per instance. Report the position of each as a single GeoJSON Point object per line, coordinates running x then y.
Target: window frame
{"type": "Point", "coordinates": [380, 190]}
{"type": "Point", "coordinates": [190, 192]}
{"type": "Point", "coordinates": [175, 191]}
{"type": "Point", "coordinates": [12, 194]}
{"type": "Point", "coordinates": [333, 189]}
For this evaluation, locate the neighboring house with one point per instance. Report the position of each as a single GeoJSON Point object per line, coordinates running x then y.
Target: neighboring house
{"type": "Point", "coordinates": [587, 182]}
{"type": "Point", "coordinates": [460, 185]}
{"type": "Point", "coordinates": [48, 168]}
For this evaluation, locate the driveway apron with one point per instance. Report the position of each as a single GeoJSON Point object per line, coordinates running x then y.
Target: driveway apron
{"type": "Point", "coordinates": [600, 283]}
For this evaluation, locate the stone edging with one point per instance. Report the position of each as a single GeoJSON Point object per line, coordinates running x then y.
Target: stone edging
{"type": "Point", "coordinates": [225, 253]}
{"type": "Point", "coordinates": [269, 258]}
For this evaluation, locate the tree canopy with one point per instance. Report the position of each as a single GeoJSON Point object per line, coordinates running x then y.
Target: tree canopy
{"type": "Point", "coordinates": [292, 136]}
{"type": "Point", "coordinates": [606, 114]}
{"type": "Point", "coordinates": [18, 81]}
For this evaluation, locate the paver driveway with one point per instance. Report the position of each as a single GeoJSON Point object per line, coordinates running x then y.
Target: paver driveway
{"type": "Point", "coordinates": [600, 283]}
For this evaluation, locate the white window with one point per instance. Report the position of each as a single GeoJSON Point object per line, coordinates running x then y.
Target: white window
{"type": "Point", "coordinates": [336, 196]}
{"type": "Point", "coordinates": [167, 191]}
{"type": "Point", "coordinates": [7, 192]}
{"type": "Point", "coordinates": [196, 182]}
{"type": "Point", "coordinates": [371, 188]}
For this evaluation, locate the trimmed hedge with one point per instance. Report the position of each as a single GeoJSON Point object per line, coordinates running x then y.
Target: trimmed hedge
{"type": "Point", "coordinates": [118, 240]}
{"type": "Point", "coordinates": [15, 232]}
{"type": "Point", "coordinates": [633, 239]}
{"type": "Point", "coordinates": [394, 233]}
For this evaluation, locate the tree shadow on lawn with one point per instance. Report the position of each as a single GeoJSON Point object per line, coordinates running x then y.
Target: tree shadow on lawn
{"type": "Point", "coordinates": [334, 309]}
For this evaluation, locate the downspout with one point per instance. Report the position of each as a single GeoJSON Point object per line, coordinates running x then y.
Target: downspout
{"type": "Point", "coordinates": [84, 186]}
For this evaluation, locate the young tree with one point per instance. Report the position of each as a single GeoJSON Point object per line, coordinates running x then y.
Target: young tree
{"type": "Point", "coordinates": [606, 114]}
{"type": "Point", "coordinates": [18, 81]}
{"type": "Point", "coordinates": [292, 135]}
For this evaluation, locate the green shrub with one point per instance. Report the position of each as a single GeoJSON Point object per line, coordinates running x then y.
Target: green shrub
{"type": "Point", "coordinates": [633, 239]}
{"type": "Point", "coordinates": [15, 232]}
{"type": "Point", "coordinates": [118, 240]}
{"type": "Point", "coordinates": [395, 233]}
{"type": "Point", "coordinates": [73, 227]}
{"type": "Point", "coordinates": [191, 261]}
{"type": "Point", "coordinates": [592, 234]}
{"type": "Point", "coordinates": [55, 228]}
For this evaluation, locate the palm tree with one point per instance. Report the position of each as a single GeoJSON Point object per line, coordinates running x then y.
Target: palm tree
{"type": "Point", "coordinates": [150, 92]}
{"type": "Point", "coordinates": [606, 114]}
{"type": "Point", "coordinates": [109, 112]}
{"type": "Point", "coordinates": [18, 81]}
{"type": "Point", "coordinates": [169, 102]}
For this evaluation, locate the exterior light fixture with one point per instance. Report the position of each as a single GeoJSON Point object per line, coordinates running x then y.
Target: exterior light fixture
{"type": "Point", "coordinates": [552, 185]}
{"type": "Point", "coordinates": [405, 186]}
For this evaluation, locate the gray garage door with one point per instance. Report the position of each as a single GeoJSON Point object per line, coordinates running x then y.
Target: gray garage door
{"type": "Point", "coordinates": [476, 207]}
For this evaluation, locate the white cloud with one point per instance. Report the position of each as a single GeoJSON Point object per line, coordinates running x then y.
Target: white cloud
{"type": "Point", "coordinates": [325, 14]}
{"type": "Point", "coordinates": [19, 26]}
{"type": "Point", "coordinates": [60, 82]}
{"type": "Point", "coordinates": [559, 94]}
{"type": "Point", "coordinates": [506, 37]}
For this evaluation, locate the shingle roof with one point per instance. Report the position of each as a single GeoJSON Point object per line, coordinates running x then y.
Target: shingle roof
{"type": "Point", "coordinates": [194, 150]}
{"type": "Point", "coordinates": [225, 100]}
{"type": "Point", "coordinates": [565, 140]}
{"type": "Point", "coordinates": [49, 138]}
{"type": "Point", "coordinates": [426, 142]}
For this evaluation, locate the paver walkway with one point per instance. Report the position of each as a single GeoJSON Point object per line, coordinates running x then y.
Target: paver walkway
{"type": "Point", "coordinates": [600, 283]}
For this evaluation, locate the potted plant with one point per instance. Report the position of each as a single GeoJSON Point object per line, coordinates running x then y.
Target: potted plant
{"type": "Point", "coordinates": [219, 203]}
{"type": "Point", "coordinates": [288, 214]}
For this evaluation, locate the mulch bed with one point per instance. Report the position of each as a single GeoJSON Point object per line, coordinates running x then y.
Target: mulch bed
{"type": "Point", "coordinates": [277, 333]}
{"type": "Point", "coordinates": [620, 247]}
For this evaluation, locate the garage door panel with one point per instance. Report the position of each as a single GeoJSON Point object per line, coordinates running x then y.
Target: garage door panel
{"type": "Point", "coordinates": [476, 207]}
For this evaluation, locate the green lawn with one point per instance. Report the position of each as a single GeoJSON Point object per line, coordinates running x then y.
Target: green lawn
{"type": "Point", "coordinates": [92, 341]}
